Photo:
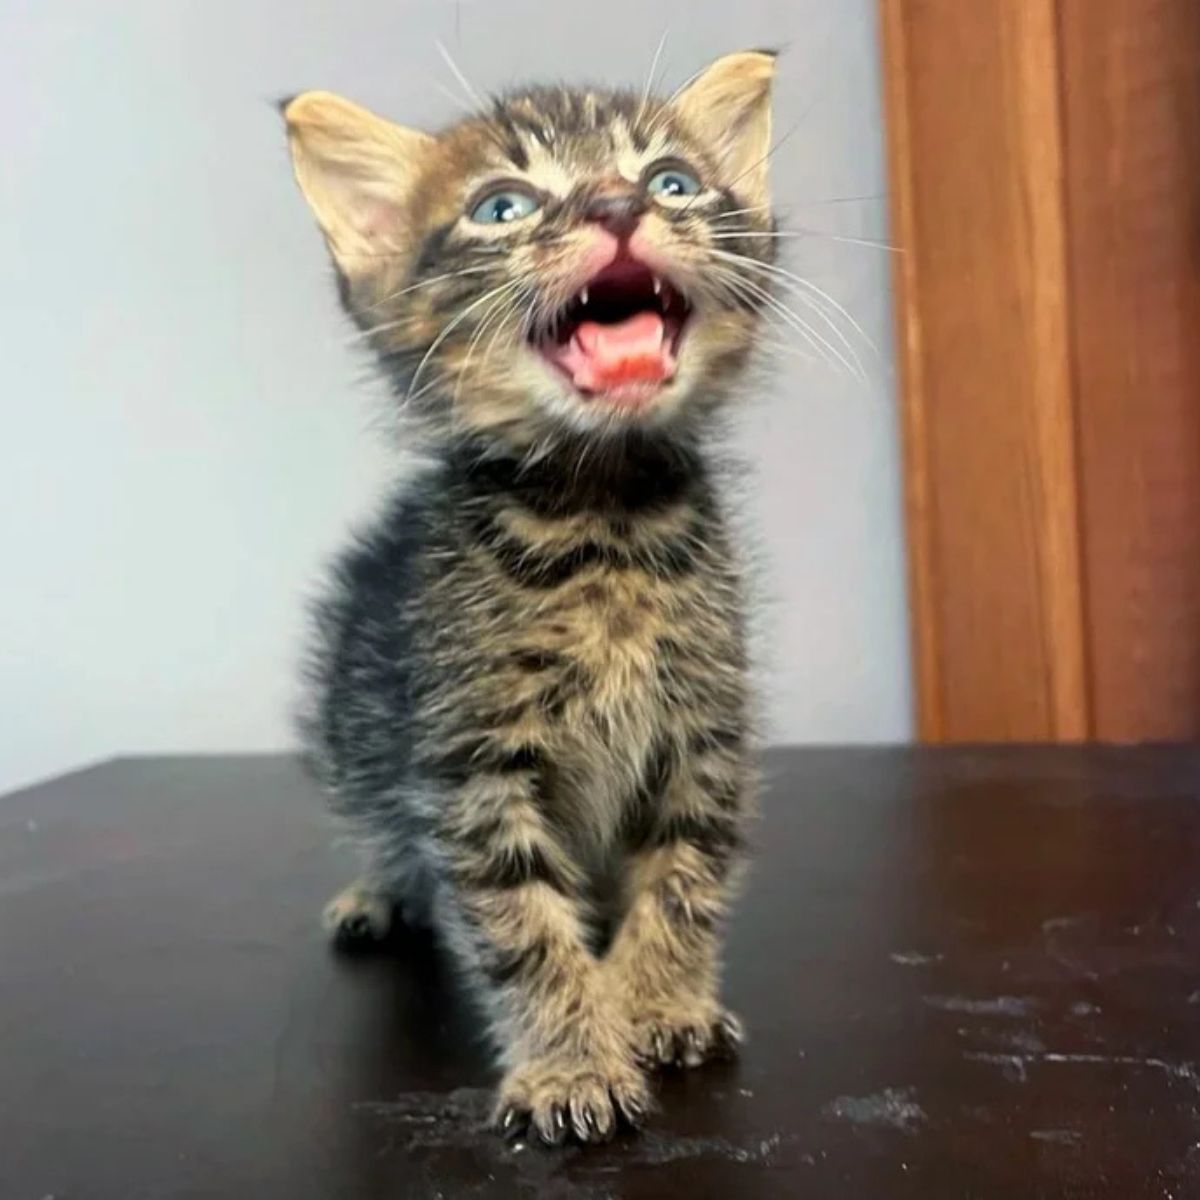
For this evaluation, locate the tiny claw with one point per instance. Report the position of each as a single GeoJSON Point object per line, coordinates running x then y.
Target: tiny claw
{"type": "Point", "coordinates": [731, 1030]}
{"type": "Point", "coordinates": [512, 1123]}
{"type": "Point", "coordinates": [660, 1046]}
{"type": "Point", "coordinates": [633, 1110]}
{"type": "Point", "coordinates": [556, 1127]}
{"type": "Point", "coordinates": [595, 1131]}
{"type": "Point", "coordinates": [691, 1052]}
{"type": "Point", "coordinates": [581, 1121]}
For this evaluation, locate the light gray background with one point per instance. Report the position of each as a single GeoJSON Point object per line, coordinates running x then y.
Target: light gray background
{"type": "Point", "coordinates": [187, 433]}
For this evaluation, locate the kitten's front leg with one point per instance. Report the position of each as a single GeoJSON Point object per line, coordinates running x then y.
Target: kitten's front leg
{"type": "Point", "coordinates": [665, 959]}
{"type": "Point", "coordinates": [517, 923]}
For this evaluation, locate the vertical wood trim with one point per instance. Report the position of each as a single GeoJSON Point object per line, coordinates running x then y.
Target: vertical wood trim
{"type": "Point", "coordinates": [1054, 401]}
{"type": "Point", "coordinates": [918, 480]}
{"type": "Point", "coordinates": [976, 162]}
{"type": "Point", "coordinates": [1132, 108]}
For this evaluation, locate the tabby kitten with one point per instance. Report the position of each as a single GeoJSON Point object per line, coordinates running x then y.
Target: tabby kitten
{"type": "Point", "coordinates": [530, 698]}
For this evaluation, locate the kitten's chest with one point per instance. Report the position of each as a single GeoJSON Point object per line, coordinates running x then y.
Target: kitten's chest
{"type": "Point", "coordinates": [602, 595]}
{"type": "Point", "coordinates": [611, 710]}
{"type": "Point", "coordinates": [636, 650]}
{"type": "Point", "coordinates": [613, 626]}
{"type": "Point", "coordinates": [610, 630]}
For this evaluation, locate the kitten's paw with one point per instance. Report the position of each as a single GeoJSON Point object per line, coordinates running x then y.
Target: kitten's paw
{"type": "Point", "coordinates": [555, 1098]}
{"type": "Point", "coordinates": [357, 915]}
{"type": "Point", "coordinates": [678, 1036]}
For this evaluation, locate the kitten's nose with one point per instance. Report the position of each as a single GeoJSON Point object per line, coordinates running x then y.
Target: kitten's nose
{"type": "Point", "coordinates": [618, 212]}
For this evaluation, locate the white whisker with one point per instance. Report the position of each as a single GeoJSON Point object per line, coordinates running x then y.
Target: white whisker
{"type": "Point", "coordinates": [757, 163]}
{"type": "Point", "coordinates": [365, 335]}
{"type": "Point", "coordinates": [471, 90]}
{"type": "Point", "coordinates": [666, 109]}
{"type": "Point", "coordinates": [514, 311]}
{"type": "Point", "coordinates": [853, 364]}
{"type": "Point", "coordinates": [497, 306]}
{"type": "Point", "coordinates": [468, 109]}
{"type": "Point", "coordinates": [810, 233]}
{"type": "Point", "coordinates": [424, 283]}
{"type": "Point", "coordinates": [789, 279]}
{"type": "Point", "coordinates": [842, 200]}
{"type": "Point", "coordinates": [779, 346]}
{"type": "Point", "coordinates": [641, 108]}
{"type": "Point", "coordinates": [413, 393]}
{"type": "Point", "coordinates": [737, 212]}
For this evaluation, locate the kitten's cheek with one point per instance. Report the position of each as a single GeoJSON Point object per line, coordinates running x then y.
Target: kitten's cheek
{"type": "Point", "coordinates": [645, 247]}
{"type": "Point", "coordinates": [599, 248]}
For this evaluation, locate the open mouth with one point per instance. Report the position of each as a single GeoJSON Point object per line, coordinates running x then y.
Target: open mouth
{"type": "Point", "coordinates": [619, 337]}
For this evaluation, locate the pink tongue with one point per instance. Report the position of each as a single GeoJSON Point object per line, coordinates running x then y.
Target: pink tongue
{"type": "Point", "coordinates": [600, 357]}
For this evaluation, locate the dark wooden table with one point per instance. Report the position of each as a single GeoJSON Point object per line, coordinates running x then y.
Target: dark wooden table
{"type": "Point", "coordinates": [965, 973]}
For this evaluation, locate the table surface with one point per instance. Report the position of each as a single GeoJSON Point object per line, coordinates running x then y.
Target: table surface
{"type": "Point", "coordinates": [966, 973]}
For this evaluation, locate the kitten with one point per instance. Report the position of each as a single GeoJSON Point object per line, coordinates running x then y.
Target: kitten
{"type": "Point", "coordinates": [530, 696]}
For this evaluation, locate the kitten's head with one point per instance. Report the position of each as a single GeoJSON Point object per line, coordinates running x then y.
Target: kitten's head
{"type": "Point", "coordinates": [559, 264]}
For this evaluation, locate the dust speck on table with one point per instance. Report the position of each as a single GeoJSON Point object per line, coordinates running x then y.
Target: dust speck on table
{"type": "Point", "coordinates": [994, 1006]}
{"type": "Point", "coordinates": [914, 958]}
{"type": "Point", "coordinates": [1058, 1137]}
{"type": "Point", "coordinates": [896, 1108]}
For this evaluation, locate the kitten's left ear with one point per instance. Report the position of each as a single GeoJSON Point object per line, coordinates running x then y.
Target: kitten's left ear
{"type": "Point", "coordinates": [356, 171]}
{"type": "Point", "coordinates": [728, 105]}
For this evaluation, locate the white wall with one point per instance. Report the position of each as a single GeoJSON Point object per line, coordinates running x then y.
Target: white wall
{"type": "Point", "coordinates": [186, 432]}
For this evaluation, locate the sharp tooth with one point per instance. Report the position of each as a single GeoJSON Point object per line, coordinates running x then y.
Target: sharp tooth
{"type": "Point", "coordinates": [583, 296]}
{"type": "Point", "coordinates": [657, 285]}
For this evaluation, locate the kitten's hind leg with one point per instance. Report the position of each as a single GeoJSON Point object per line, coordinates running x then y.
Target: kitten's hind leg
{"type": "Point", "coordinates": [394, 888]}
{"type": "Point", "coordinates": [359, 914]}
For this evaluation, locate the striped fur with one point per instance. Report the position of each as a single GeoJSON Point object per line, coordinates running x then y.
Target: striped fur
{"type": "Point", "coordinates": [529, 696]}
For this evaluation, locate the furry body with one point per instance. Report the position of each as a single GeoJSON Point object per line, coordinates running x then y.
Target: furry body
{"type": "Point", "coordinates": [529, 693]}
{"type": "Point", "coordinates": [533, 712]}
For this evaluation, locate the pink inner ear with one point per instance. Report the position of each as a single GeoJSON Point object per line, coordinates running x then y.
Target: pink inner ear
{"type": "Point", "coordinates": [376, 219]}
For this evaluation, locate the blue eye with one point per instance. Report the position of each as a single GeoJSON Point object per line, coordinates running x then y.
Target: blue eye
{"type": "Point", "coordinates": [501, 208]}
{"type": "Point", "coordinates": [674, 181]}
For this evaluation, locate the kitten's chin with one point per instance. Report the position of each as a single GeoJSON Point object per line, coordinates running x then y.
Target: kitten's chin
{"type": "Point", "coordinates": [631, 398]}
{"type": "Point", "coordinates": [633, 402]}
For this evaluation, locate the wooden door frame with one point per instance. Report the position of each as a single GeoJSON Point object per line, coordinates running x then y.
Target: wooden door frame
{"type": "Point", "coordinates": [1044, 159]}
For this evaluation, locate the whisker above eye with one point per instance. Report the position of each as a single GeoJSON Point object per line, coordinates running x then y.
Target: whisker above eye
{"type": "Point", "coordinates": [641, 108]}
{"type": "Point", "coordinates": [472, 91]}
{"type": "Point", "coordinates": [454, 98]}
{"type": "Point", "coordinates": [754, 165]}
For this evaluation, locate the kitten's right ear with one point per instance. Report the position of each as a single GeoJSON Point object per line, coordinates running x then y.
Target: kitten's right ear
{"type": "Point", "coordinates": [729, 105]}
{"type": "Point", "coordinates": [356, 171]}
